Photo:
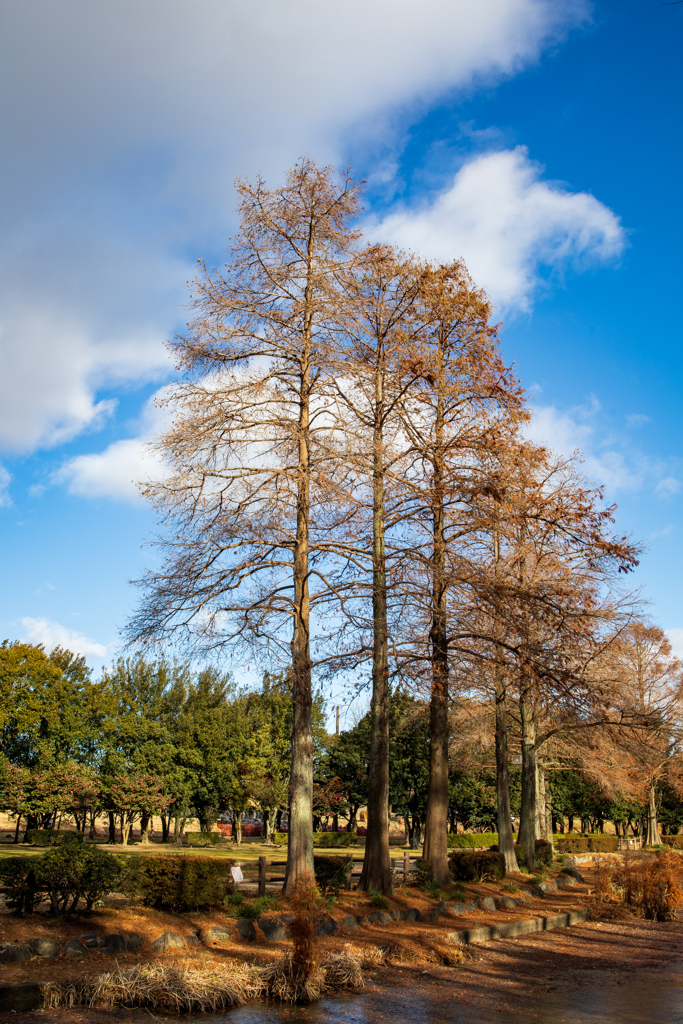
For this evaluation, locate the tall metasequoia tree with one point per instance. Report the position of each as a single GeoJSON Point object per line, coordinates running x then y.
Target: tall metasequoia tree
{"type": "Point", "coordinates": [372, 378]}
{"type": "Point", "coordinates": [452, 417]}
{"type": "Point", "coordinates": [245, 467]}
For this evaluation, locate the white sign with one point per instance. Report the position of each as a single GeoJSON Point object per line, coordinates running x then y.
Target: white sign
{"type": "Point", "coordinates": [237, 875]}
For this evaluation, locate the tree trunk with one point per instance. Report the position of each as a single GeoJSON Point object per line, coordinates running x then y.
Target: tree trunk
{"type": "Point", "coordinates": [376, 873]}
{"type": "Point", "coordinates": [125, 829]}
{"type": "Point", "coordinates": [436, 825]}
{"type": "Point", "coordinates": [540, 801]}
{"type": "Point", "coordinates": [112, 828]}
{"type": "Point", "coordinates": [506, 838]}
{"type": "Point", "coordinates": [144, 829]}
{"type": "Point", "coordinates": [165, 827]}
{"type": "Point", "coordinates": [652, 837]}
{"type": "Point", "coordinates": [16, 830]}
{"type": "Point", "coordinates": [300, 843]}
{"type": "Point", "coordinates": [527, 817]}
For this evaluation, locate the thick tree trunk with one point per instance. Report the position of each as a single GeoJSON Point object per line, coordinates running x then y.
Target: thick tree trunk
{"type": "Point", "coordinates": [112, 828]}
{"type": "Point", "coordinates": [652, 837]}
{"type": "Point", "coordinates": [436, 825]}
{"type": "Point", "coordinates": [527, 818]}
{"type": "Point", "coordinates": [16, 830]}
{"type": "Point", "coordinates": [506, 838]}
{"type": "Point", "coordinates": [540, 801]}
{"type": "Point", "coordinates": [300, 844]}
{"type": "Point", "coordinates": [376, 873]}
{"type": "Point", "coordinates": [144, 828]}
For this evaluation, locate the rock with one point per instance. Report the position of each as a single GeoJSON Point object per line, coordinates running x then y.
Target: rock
{"type": "Point", "coordinates": [471, 907]}
{"type": "Point", "coordinates": [169, 940]}
{"type": "Point", "coordinates": [11, 954]}
{"type": "Point", "coordinates": [486, 903]}
{"type": "Point", "coordinates": [89, 940]}
{"type": "Point", "coordinates": [395, 915]}
{"type": "Point", "coordinates": [411, 914]}
{"type": "Point", "coordinates": [114, 943]}
{"type": "Point", "coordinates": [326, 925]}
{"type": "Point", "coordinates": [574, 873]}
{"type": "Point", "coordinates": [566, 882]}
{"type": "Point", "coordinates": [442, 907]}
{"type": "Point", "coordinates": [43, 947]}
{"type": "Point", "coordinates": [191, 940]}
{"type": "Point", "coordinates": [508, 903]}
{"type": "Point", "coordinates": [245, 930]}
{"type": "Point", "coordinates": [275, 930]}
{"type": "Point", "coordinates": [349, 922]}
{"type": "Point", "coordinates": [75, 947]}
{"type": "Point", "coordinates": [133, 942]}
{"type": "Point", "coordinates": [457, 909]}
{"type": "Point", "coordinates": [26, 995]}
{"type": "Point", "coordinates": [522, 897]}
{"type": "Point", "coordinates": [543, 889]}
{"type": "Point", "coordinates": [216, 935]}
{"type": "Point", "coordinates": [379, 917]}
{"type": "Point", "coordinates": [362, 921]}
{"type": "Point", "coordinates": [430, 915]}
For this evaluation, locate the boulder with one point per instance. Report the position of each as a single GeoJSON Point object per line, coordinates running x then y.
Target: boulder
{"type": "Point", "coordinates": [325, 925]}
{"type": "Point", "coordinates": [442, 907]}
{"type": "Point", "coordinates": [522, 897]}
{"type": "Point", "coordinates": [395, 915]}
{"type": "Point", "coordinates": [411, 914]}
{"type": "Point", "coordinates": [113, 944]}
{"type": "Point", "coordinates": [273, 929]}
{"type": "Point", "coordinates": [133, 942]}
{"type": "Point", "coordinates": [574, 873]}
{"type": "Point", "coordinates": [508, 903]}
{"type": "Point", "coordinates": [169, 940]}
{"type": "Point", "coordinates": [43, 947]}
{"type": "Point", "coordinates": [191, 940]}
{"type": "Point", "coordinates": [89, 940]}
{"type": "Point", "coordinates": [430, 915]}
{"type": "Point", "coordinates": [486, 903]}
{"type": "Point", "coordinates": [216, 935]}
{"type": "Point", "coordinates": [543, 889]}
{"type": "Point", "coordinates": [245, 930]}
{"type": "Point", "coordinates": [349, 922]}
{"type": "Point", "coordinates": [379, 917]}
{"type": "Point", "coordinates": [566, 882]}
{"type": "Point", "coordinates": [12, 954]}
{"type": "Point", "coordinates": [457, 909]}
{"type": "Point", "coordinates": [75, 947]}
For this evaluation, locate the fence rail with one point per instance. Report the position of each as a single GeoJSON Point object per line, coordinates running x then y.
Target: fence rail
{"type": "Point", "coordinates": [405, 864]}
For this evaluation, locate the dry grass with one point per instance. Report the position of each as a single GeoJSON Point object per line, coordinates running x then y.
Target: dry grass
{"type": "Point", "coordinates": [180, 988]}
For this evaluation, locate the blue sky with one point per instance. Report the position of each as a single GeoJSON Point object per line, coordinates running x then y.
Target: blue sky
{"type": "Point", "coordinates": [539, 140]}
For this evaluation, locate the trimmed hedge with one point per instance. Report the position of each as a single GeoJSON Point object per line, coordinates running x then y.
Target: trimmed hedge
{"type": "Point", "coordinates": [65, 876]}
{"type": "Point", "coordinates": [49, 837]}
{"type": "Point", "coordinates": [330, 872]}
{"type": "Point", "coordinates": [587, 844]}
{"type": "Point", "coordinates": [177, 883]}
{"type": "Point", "coordinates": [19, 879]}
{"type": "Point", "coordinates": [203, 838]}
{"type": "Point", "coordinates": [674, 841]}
{"type": "Point", "coordinates": [470, 840]}
{"type": "Point", "coordinates": [476, 867]}
{"type": "Point", "coordinates": [333, 840]}
{"type": "Point", "coordinates": [280, 838]}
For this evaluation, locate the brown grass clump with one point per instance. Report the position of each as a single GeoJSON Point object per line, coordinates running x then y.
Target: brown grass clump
{"type": "Point", "coordinates": [171, 988]}
{"type": "Point", "coordinates": [652, 886]}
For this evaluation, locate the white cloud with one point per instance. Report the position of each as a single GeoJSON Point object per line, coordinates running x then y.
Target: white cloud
{"type": "Point", "coordinates": [676, 638]}
{"type": "Point", "coordinates": [667, 486]}
{"type": "Point", "coordinates": [53, 634]}
{"type": "Point", "coordinates": [5, 479]}
{"type": "Point", "coordinates": [124, 124]}
{"type": "Point", "coordinates": [116, 472]}
{"type": "Point", "coordinates": [507, 223]}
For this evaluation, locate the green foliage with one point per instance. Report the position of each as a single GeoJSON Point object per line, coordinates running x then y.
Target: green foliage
{"type": "Point", "coordinates": [587, 843]}
{"type": "Point", "coordinates": [333, 840]}
{"type": "Point", "coordinates": [424, 872]}
{"type": "Point", "coordinates": [477, 867]}
{"type": "Point", "coordinates": [330, 873]}
{"type": "Point", "coordinates": [234, 899]}
{"type": "Point", "coordinates": [544, 852]}
{"type": "Point", "coordinates": [203, 838]}
{"type": "Point", "coordinates": [48, 837]}
{"type": "Point", "coordinates": [510, 887]}
{"type": "Point", "coordinates": [178, 883]}
{"type": "Point", "coordinates": [378, 901]}
{"type": "Point", "coordinates": [18, 878]}
{"type": "Point", "coordinates": [71, 873]}
{"type": "Point", "coordinates": [470, 840]}
{"type": "Point", "coordinates": [280, 838]}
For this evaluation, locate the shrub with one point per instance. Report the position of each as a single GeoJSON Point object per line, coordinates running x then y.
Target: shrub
{"type": "Point", "coordinates": [510, 887]}
{"type": "Point", "coordinates": [572, 844]}
{"type": "Point", "coordinates": [378, 901]}
{"type": "Point", "coordinates": [425, 872]}
{"type": "Point", "coordinates": [330, 873]}
{"type": "Point", "coordinates": [280, 838]}
{"type": "Point", "coordinates": [70, 873]}
{"type": "Point", "coordinates": [603, 844]}
{"type": "Point", "coordinates": [470, 840]}
{"type": "Point", "coordinates": [19, 879]}
{"type": "Point", "coordinates": [477, 867]}
{"type": "Point", "coordinates": [203, 838]}
{"type": "Point", "coordinates": [178, 883]}
{"type": "Point", "coordinates": [48, 837]}
{"type": "Point", "coordinates": [674, 841]}
{"type": "Point", "coordinates": [652, 886]}
{"type": "Point", "coordinates": [334, 840]}
{"type": "Point", "coordinates": [544, 852]}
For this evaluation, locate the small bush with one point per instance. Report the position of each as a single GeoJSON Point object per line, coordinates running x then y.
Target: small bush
{"type": "Point", "coordinates": [471, 840]}
{"type": "Point", "coordinates": [652, 886]}
{"type": "Point", "coordinates": [378, 901]}
{"type": "Point", "coordinates": [425, 872]}
{"type": "Point", "coordinates": [69, 874]}
{"type": "Point", "coordinates": [676, 842]}
{"type": "Point", "coordinates": [510, 887]}
{"type": "Point", "coordinates": [330, 873]}
{"type": "Point", "coordinates": [234, 899]}
{"type": "Point", "coordinates": [572, 844]}
{"type": "Point", "coordinates": [544, 852]}
{"type": "Point", "coordinates": [280, 838]}
{"type": "Point", "coordinates": [477, 867]}
{"type": "Point", "coordinates": [603, 844]}
{"type": "Point", "coordinates": [178, 883]}
{"type": "Point", "coordinates": [50, 837]}
{"type": "Point", "coordinates": [203, 838]}
{"type": "Point", "coordinates": [19, 879]}
{"type": "Point", "coordinates": [334, 840]}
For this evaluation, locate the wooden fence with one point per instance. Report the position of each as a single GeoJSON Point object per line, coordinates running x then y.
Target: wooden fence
{"type": "Point", "coordinates": [405, 864]}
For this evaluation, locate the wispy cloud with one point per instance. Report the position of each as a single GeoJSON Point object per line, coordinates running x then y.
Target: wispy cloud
{"type": "Point", "coordinates": [53, 634]}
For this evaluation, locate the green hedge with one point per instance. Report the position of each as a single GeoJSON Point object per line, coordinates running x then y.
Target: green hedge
{"type": "Point", "coordinates": [586, 843]}
{"type": "Point", "coordinates": [49, 837]}
{"type": "Point", "coordinates": [64, 876]}
{"type": "Point", "coordinates": [330, 872]}
{"type": "Point", "coordinates": [470, 840]}
{"type": "Point", "coordinates": [280, 838]}
{"type": "Point", "coordinates": [203, 838]}
{"type": "Point", "coordinates": [18, 877]}
{"type": "Point", "coordinates": [476, 866]}
{"type": "Point", "coordinates": [177, 883]}
{"type": "Point", "coordinates": [333, 840]}
{"type": "Point", "coordinates": [674, 841]}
